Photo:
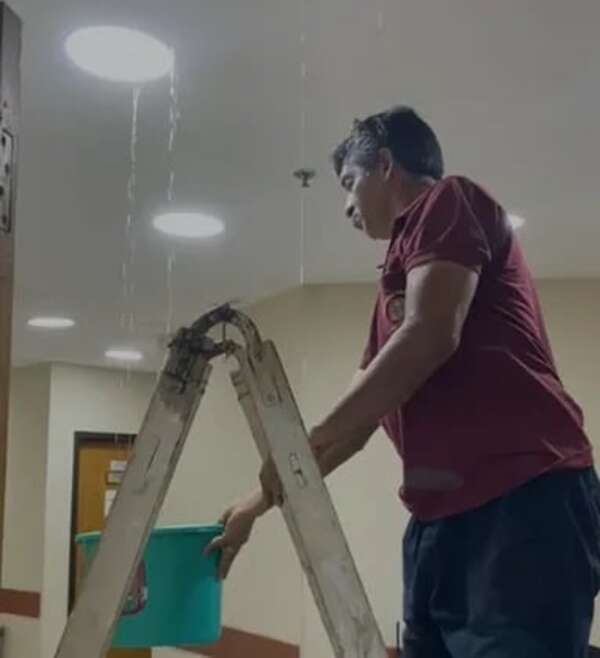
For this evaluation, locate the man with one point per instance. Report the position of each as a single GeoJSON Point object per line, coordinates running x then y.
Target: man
{"type": "Point", "coordinates": [502, 553]}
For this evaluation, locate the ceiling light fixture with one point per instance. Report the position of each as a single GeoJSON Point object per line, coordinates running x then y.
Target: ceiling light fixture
{"type": "Point", "coordinates": [124, 355]}
{"type": "Point", "coordinates": [516, 221]}
{"type": "Point", "coordinates": [119, 54]}
{"type": "Point", "coordinates": [51, 323]}
{"type": "Point", "coordinates": [188, 225]}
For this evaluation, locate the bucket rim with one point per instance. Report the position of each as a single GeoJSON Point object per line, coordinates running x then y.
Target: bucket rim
{"type": "Point", "coordinates": [211, 530]}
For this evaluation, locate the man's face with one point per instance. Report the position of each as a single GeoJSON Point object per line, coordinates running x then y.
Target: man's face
{"type": "Point", "coordinates": [366, 199]}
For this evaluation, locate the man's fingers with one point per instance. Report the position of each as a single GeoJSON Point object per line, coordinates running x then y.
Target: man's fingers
{"type": "Point", "coordinates": [225, 516]}
{"type": "Point", "coordinates": [278, 490]}
{"type": "Point", "coordinates": [266, 489]}
{"type": "Point", "coordinates": [227, 557]}
{"type": "Point", "coordinates": [215, 544]}
{"type": "Point", "coordinates": [271, 483]}
{"type": "Point", "coordinates": [264, 482]}
{"type": "Point", "coordinates": [228, 554]}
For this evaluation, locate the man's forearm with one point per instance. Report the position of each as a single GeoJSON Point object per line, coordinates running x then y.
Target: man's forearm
{"type": "Point", "coordinates": [408, 359]}
{"type": "Point", "coordinates": [328, 458]}
{"type": "Point", "coordinates": [257, 503]}
{"type": "Point", "coordinates": [331, 457]}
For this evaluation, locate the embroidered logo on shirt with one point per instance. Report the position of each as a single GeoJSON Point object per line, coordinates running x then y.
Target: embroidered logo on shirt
{"type": "Point", "coordinates": [394, 308]}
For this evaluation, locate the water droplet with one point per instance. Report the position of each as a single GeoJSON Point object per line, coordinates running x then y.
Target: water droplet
{"type": "Point", "coordinates": [170, 300]}
{"type": "Point", "coordinates": [173, 108]}
{"type": "Point", "coordinates": [170, 192]}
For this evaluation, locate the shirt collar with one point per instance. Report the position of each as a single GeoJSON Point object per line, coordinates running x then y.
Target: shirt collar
{"type": "Point", "coordinates": [398, 223]}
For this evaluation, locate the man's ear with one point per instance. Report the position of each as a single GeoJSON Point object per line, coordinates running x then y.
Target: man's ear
{"type": "Point", "coordinates": [386, 163]}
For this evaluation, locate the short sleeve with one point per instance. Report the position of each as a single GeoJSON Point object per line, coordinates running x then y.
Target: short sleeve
{"type": "Point", "coordinates": [445, 228]}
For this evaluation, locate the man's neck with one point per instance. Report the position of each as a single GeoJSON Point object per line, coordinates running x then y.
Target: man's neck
{"type": "Point", "coordinates": [409, 192]}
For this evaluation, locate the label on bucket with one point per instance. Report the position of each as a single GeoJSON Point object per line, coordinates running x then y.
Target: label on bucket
{"type": "Point", "coordinates": [138, 594]}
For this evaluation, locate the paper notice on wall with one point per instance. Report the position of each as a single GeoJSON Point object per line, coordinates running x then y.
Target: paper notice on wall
{"type": "Point", "coordinates": [114, 477]}
{"type": "Point", "coordinates": [116, 472]}
{"type": "Point", "coordinates": [109, 498]}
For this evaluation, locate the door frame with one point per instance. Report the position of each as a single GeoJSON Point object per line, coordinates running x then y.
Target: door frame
{"type": "Point", "coordinates": [81, 439]}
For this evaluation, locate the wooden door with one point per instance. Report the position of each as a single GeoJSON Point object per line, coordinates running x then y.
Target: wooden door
{"type": "Point", "coordinates": [99, 465]}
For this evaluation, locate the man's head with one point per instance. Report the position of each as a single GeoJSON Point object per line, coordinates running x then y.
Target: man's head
{"type": "Point", "coordinates": [385, 162]}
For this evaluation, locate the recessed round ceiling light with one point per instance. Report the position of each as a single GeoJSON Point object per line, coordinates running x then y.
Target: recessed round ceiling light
{"type": "Point", "coordinates": [51, 323]}
{"type": "Point", "coordinates": [119, 54]}
{"type": "Point", "coordinates": [516, 221]}
{"type": "Point", "coordinates": [124, 355]}
{"type": "Point", "coordinates": [188, 225]}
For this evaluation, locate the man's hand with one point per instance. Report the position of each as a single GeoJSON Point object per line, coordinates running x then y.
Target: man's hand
{"type": "Point", "coordinates": [238, 521]}
{"type": "Point", "coordinates": [270, 483]}
{"type": "Point", "coordinates": [329, 449]}
{"type": "Point", "coordinates": [269, 479]}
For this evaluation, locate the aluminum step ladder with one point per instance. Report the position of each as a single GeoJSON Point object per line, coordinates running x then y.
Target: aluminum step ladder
{"type": "Point", "coordinates": [276, 425]}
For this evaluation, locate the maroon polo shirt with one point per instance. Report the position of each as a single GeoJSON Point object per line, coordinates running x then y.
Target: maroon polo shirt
{"type": "Point", "coordinates": [496, 414]}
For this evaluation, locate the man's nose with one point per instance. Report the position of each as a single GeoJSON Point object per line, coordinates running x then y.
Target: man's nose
{"type": "Point", "coordinates": [350, 209]}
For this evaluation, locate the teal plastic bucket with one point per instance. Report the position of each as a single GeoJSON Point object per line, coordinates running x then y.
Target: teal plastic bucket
{"type": "Point", "coordinates": [175, 600]}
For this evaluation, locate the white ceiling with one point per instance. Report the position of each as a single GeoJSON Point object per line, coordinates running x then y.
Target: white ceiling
{"type": "Point", "coordinates": [512, 87]}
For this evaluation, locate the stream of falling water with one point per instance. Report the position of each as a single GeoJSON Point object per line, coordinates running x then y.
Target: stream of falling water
{"type": "Point", "coordinates": [303, 120]}
{"type": "Point", "coordinates": [128, 286]}
{"type": "Point", "coordinates": [127, 320]}
{"type": "Point", "coordinates": [173, 125]}
{"type": "Point", "coordinates": [170, 266]}
{"type": "Point", "coordinates": [174, 117]}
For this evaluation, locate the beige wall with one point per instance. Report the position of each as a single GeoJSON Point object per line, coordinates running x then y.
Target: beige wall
{"type": "Point", "coordinates": [81, 399]}
{"type": "Point", "coordinates": [24, 512]}
{"type": "Point", "coordinates": [319, 332]}
{"type": "Point", "coordinates": [24, 515]}
{"type": "Point", "coordinates": [22, 638]}
{"type": "Point", "coordinates": [572, 311]}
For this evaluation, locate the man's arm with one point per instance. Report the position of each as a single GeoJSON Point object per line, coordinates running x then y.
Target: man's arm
{"type": "Point", "coordinates": [438, 298]}
{"type": "Point", "coordinates": [329, 457]}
